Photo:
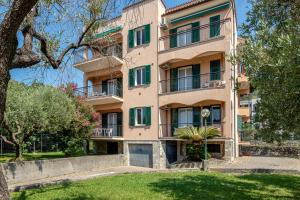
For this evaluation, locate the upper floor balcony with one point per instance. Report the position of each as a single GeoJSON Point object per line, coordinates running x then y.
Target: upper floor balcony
{"type": "Point", "coordinates": [92, 60]}
{"type": "Point", "coordinates": [187, 43]}
{"type": "Point", "coordinates": [108, 92]}
{"type": "Point", "coordinates": [185, 89]}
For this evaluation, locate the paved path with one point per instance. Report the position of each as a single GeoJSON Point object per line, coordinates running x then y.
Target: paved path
{"type": "Point", "coordinates": [241, 164]}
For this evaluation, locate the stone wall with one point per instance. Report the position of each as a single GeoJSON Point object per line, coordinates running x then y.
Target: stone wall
{"type": "Point", "coordinates": [17, 172]}
{"type": "Point", "coordinates": [268, 150]}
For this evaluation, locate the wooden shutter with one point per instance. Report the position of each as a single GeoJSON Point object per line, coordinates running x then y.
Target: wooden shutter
{"type": "Point", "coordinates": [104, 86]}
{"type": "Point", "coordinates": [147, 116]}
{"type": "Point", "coordinates": [147, 75]}
{"type": "Point", "coordinates": [131, 77]}
{"type": "Point", "coordinates": [131, 38]}
{"type": "Point", "coordinates": [174, 79]}
{"type": "Point", "coordinates": [195, 32]}
{"type": "Point", "coordinates": [196, 76]}
{"type": "Point", "coordinates": [104, 120]}
{"type": "Point", "coordinates": [131, 116]}
{"type": "Point", "coordinates": [214, 26]}
{"type": "Point", "coordinates": [147, 33]}
{"type": "Point", "coordinates": [174, 120]}
{"type": "Point", "coordinates": [215, 70]}
{"type": "Point", "coordinates": [173, 38]}
{"type": "Point", "coordinates": [196, 117]}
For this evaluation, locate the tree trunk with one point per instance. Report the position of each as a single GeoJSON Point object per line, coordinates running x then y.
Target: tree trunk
{"type": "Point", "coordinates": [18, 152]}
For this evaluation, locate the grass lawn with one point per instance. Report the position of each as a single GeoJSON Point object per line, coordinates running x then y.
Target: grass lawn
{"type": "Point", "coordinates": [32, 156]}
{"type": "Point", "coordinates": [187, 185]}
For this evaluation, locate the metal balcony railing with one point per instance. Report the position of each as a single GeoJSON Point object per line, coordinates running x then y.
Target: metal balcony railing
{"type": "Point", "coordinates": [111, 130]}
{"type": "Point", "coordinates": [188, 83]}
{"type": "Point", "coordinates": [187, 37]}
{"type": "Point", "coordinates": [101, 90]}
{"type": "Point", "coordinates": [168, 130]}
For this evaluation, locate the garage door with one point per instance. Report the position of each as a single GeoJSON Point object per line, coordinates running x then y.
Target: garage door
{"type": "Point", "coordinates": [141, 155]}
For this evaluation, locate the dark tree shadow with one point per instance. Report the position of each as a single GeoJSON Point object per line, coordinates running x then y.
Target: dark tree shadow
{"type": "Point", "coordinates": [210, 186]}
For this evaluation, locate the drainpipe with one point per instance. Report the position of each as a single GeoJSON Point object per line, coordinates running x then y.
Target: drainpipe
{"type": "Point", "coordinates": [235, 143]}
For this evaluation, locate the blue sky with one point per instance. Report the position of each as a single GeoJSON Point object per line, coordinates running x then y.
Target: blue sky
{"type": "Point", "coordinates": [70, 74]}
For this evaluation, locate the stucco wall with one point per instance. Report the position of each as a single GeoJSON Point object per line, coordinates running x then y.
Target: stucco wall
{"type": "Point", "coordinates": [16, 172]}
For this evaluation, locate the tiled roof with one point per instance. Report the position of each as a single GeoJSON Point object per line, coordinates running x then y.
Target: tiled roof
{"type": "Point", "coordinates": [184, 6]}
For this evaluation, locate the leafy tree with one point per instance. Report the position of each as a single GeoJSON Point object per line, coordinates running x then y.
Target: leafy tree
{"type": "Point", "coordinates": [271, 56]}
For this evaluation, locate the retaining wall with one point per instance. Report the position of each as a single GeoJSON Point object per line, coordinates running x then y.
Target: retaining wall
{"type": "Point", "coordinates": [271, 151]}
{"type": "Point", "coordinates": [17, 172]}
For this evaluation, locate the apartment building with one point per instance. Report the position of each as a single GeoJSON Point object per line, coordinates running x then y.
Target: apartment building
{"type": "Point", "coordinates": [156, 69]}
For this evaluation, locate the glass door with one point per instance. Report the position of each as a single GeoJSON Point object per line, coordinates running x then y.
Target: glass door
{"type": "Point", "coordinates": [185, 117]}
{"type": "Point", "coordinates": [185, 78]}
{"type": "Point", "coordinates": [112, 87]}
{"type": "Point", "coordinates": [112, 123]}
{"type": "Point", "coordinates": [184, 36]}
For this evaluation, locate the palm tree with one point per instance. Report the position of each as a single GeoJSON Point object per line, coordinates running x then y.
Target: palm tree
{"type": "Point", "coordinates": [197, 134]}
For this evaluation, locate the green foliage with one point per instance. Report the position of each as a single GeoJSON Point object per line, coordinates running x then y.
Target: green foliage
{"type": "Point", "coordinates": [197, 134]}
{"type": "Point", "coordinates": [196, 152]}
{"type": "Point", "coordinates": [271, 56]}
{"type": "Point", "coordinates": [36, 109]}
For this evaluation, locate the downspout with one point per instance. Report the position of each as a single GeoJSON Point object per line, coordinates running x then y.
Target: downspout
{"type": "Point", "coordinates": [235, 143]}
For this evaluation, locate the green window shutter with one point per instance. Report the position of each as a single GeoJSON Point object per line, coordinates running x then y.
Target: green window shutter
{"type": "Point", "coordinates": [173, 38]}
{"type": "Point", "coordinates": [215, 26]}
{"type": "Point", "coordinates": [119, 123]}
{"type": "Point", "coordinates": [147, 33]}
{"type": "Point", "coordinates": [195, 32]}
{"type": "Point", "coordinates": [196, 117]}
{"type": "Point", "coordinates": [131, 116]}
{"type": "Point", "coordinates": [131, 77]}
{"type": "Point", "coordinates": [215, 70]}
{"type": "Point", "coordinates": [147, 116]}
{"type": "Point", "coordinates": [147, 75]}
{"type": "Point", "coordinates": [196, 76]}
{"type": "Point", "coordinates": [174, 120]}
{"type": "Point", "coordinates": [104, 120]}
{"type": "Point", "coordinates": [239, 123]}
{"type": "Point", "coordinates": [104, 86]}
{"type": "Point", "coordinates": [131, 38]}
{"type": "Point", "coordinates": [174, 79]}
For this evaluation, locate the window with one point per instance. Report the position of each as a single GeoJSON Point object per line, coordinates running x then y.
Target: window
{"type": "Point", "coordinates": [185, 117]}
{"type": "Point", "coordinates": [140, 116]}
{"type": "Point", "coordinates": [185, 79]}
{"type": "Point", "coordinates": [216, 114]}
{"type": "Point", "coordinates": [139, 36]}
{"type": "Point", "coordinates": [140, 76]}
{"type": "Point", "coordinates": [214, 26]}
{"type": "Point", "coordinates": [215, 70]}
{"type": "Point", "coordinates": [184, 36]}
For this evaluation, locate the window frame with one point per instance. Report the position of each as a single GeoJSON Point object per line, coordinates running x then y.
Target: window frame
{"type": "Point", "coordinates": [141, 32]}
{"type": "Point", "coordinates": [141, 109]}
{"type": "Point", "coordinates": [142, 74]}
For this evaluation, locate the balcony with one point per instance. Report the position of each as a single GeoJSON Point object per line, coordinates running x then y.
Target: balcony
{"type": "Point", "coordinates": [108, 58]}
{"type": "Point", "coordinates": [102, 94]}
{"type": "Point", "coordinates": [168, 130]}
{"type": "Point", "coordinates": [185, 90]}
{"type": "Point", "coordinates": [185, 45]}
{"type": "Point", "coordinates": [111, 131]}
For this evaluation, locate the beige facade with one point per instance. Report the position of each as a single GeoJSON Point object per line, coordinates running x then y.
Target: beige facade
{"type": "Point", "coordinates": [159, 67]}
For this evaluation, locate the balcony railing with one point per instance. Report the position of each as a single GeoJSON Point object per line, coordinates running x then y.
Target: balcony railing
{"type": "Point", "coordinates": [87, 55]}
{"type": "Point", "coordinates": [168, 130]}
{"type": "Point", "coordinates": [109, 131]}
{"type": "Point", "coordinates": [188, 83]}
{"type": "Point", "coordinates": [194, 35]}
{"type": "Point", "coordinates": [101, 90]}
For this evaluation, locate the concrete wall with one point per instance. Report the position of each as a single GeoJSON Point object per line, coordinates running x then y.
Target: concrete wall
{"type": "Point", "coordinates": [17, 172]}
